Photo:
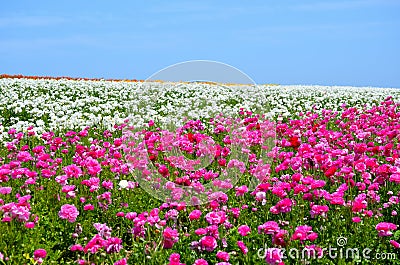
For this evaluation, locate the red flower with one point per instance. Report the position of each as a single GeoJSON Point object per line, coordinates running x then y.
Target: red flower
{"type": "Point", "coordinates": [190, 136]}
{"type": "Point", "coordinates": [330, 172]}
{"type": "Point", "coordinates": [294, 142]}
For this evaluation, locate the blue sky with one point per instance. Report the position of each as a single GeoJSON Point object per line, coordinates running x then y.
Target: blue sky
{"type": "Point", "coordinates": [344, 42]}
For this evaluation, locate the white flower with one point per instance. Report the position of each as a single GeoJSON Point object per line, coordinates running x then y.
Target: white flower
{"type": "Point", "coordinates": [123, 184]}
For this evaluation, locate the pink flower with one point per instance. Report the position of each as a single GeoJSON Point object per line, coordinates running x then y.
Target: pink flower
{"type": "Point", "coordinates": [244, 230]}
{"type": "Point", "coordinates": [200, 231]}
{"type": "Point", "coordinates": [39, 255]}
{"type": "Point", "coordinates": [113, 245]}
{"type": "Point", "coordinates": [208, 243]}
{"type": "Point", "coordinates": [242, 247]}
{"type": "Point", "coordinates": [195, 215]}
{"type": "Point", "coordinates": [273, 256]}
{"type": "Point", "coordinates": [174, 259]}
{"type": "Point", "coordinates": [395, 178]}
{"type": "Point", "coordinates": [301, 232]}
{"type": "Point", "coordinates": [222, 255]}
{"type": "Point", "coordinates": [123, 261]}
{"type": "Point", "coordinates": [200, 262]}
{"type": "Point", "coordinates": [68, 212]}
{"type": "Point", "coordinates": [240, 191]}
{"type": "Point", "coordinates": [385, 229]}
{"type": "Point", "coordinates": [30, 225]}
{"type": "Point", "coordinates": [76, 247]}
{"type": "Point", "coordinates": [103, 230]}
{"type": "Point", "coordinates": [395, 243]}
{"type": "Point", "coordinates": [24, 156]}
{"type": "Point", "coordinates": [268, 228]}
{"type": "Point", "coordinates": [107, 184]}
{"type": "Point", "coordinates": [283, 206]}
{"type": "Point", "coordinates": [356, 219]}
{"type": "Point", "coordinates": [216, 218]}
{"type": "Point", "coordinates": [312, 236]}
{"type": "Point", "coordinates": [5, 190]}
{"type": "Point", "coordinates": [319, 210]}
{"type": "Point", "coordinates": [171, 236]}
{"type": "Point", "coordinates": [96, 243]}
{"type": "Point", "coordinates": [93, 167]}
{"type": "Point", "coordinates": [88, 207]}
{"type": "Point", "coordinates": [72, 171]}
{"type": "Point", "coordinates": [279, 238]}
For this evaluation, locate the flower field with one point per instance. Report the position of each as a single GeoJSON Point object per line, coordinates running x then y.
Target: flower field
{"type": "Point", "coordinates": [107, 172]}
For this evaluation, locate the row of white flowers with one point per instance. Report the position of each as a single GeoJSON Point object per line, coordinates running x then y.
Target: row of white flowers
{"type": "Point", "coordinates": [68, 104]}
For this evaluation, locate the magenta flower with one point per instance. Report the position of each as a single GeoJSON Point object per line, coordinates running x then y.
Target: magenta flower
{"type": "Point", "coordinates": [195, 215]}
{"type": "Point", "coordinates": [242, 247]}
{"type": "Point", "coordinates": [113, 245]}
{"type": "Point", "coordinates": [273, 256]}
{"type": "Point", "coordinates": [5, 190]}
{"type": "Point", "coordinates": [96, 243]}
{"type": "Point", "coordinates": [222, 255]}
{"type": "Point", "coordinates": [302, 232]}
{"type": "Point", "coordinates": [175, 259]}
{"type": "Point", "coordinates": [76, 247]}
{"type": "Point", "coordinates": [72, 171]}
{"type": "Point", "coordinates": [395, 243]}
{"type": "Point", "coordinates": [68, 212]}
{"type": "Point", "coordinates": [208, 243]}
{"type": "Point", "coordinates": [395, 178]}
{"type": "Point", "coordinates": [123, 261]}
{"type": "Point", "coordinates": [39, 255]}
{"type": "Point", "coordinates": [216, 218]}
{"type": "Point", "coordinates": [240, 191]}
{"type": "Point", "coordinates": [279, 238]}
{"type": "Point", "coordinates": [244, 230]}
{"type": "Point", "coordinates": [385, 229]}
{"type": "Point", "coordinates": [171, 236]}
{"type": "Point", "coordinates": [88, 207]}
{"type": "Point", "coordinates": [268, 228]}
{"type": "Point", "coordinates": [200, 262]}
{"type": "Point", "coordinates": [319, 210]}
{"type": "Point", "coordinates": [29, 225]}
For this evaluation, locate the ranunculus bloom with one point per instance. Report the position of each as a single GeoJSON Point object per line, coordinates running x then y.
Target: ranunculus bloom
{"type": "Point", "coordinates": [273, 256]}
{"type": "Point", "coordinates": [30, 225]}
{"type": "Point", "coordinates": [208, 243]}
{"type": "Point", "coordinates": [40, 253]}
{"type": "Point", "coordinates": [395, 243]}
{"type": "Point", "coordinates": [123, 261]}
{"type": "Point", "coordinates": [222, 255]}
{"type": "Point", "coordinates": [385, 229]}
{"type": "Point", "coordinates": [194, 215]}
{"type": "Point", "coordinates": [268, 228]}
{"type": "Point", "coordinates": [244, 230]}
{"type": "Point", "coordinates": [76, 247]}
{"type": "Point", "coordinates": [88, 207]}
{"type": "Point", "coordinates": [200, 262]}
{"type": "Point", "coordinates": [171, 236]}
{"type": "Point", "coordinates": [68, 212]}
{"type": "Point", "coordinates": [242, 247]}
